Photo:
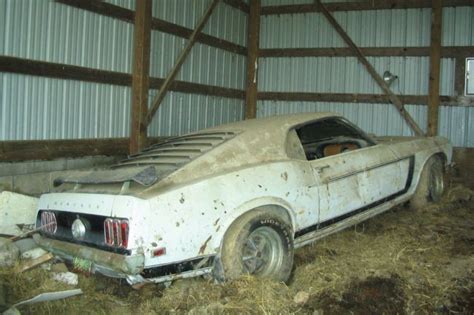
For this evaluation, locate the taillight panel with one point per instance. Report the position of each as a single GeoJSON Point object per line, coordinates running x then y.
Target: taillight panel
{"type": "Point", "coordinates": [116, 232]}
{"type": "Point", "coordinates": [49, 223]}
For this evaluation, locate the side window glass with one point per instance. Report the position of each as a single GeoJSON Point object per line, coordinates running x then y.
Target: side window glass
{"type": "Point", "coordinates": [329, 137]}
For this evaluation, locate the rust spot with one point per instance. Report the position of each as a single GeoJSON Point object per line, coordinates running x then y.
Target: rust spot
{"type": "Point", "coordinates": [203, 247]}
{"type": "Point", "coordinates": [181, 200]}
{"type": "Point", "coordinates": [177, 224]}
{"type": "Point", "coordinates": [284, 176]}
{"type": "Point", "coordinates": [218, 228]}
{"type": "Point", "coordinates": [215, 223]}
{"type": "Point", "coordinates": [154, 244]}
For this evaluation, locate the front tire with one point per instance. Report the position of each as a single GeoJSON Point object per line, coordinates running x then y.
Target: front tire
{"type": "Point", "coordinates": [431, 185]}
{"type": "Point", "coordinates": [259, 243]}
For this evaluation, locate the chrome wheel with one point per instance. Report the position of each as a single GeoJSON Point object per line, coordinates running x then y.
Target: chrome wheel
{"type": "Point", "coordinates": [262, 253]}
{"type": "Point", "coordinates": [436, 182]}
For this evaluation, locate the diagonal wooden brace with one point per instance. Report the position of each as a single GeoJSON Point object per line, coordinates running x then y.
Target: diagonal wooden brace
{"type": "Point", "coordinates": [362, 59]}
{"type": "Point", "coordinates": [182, 57]}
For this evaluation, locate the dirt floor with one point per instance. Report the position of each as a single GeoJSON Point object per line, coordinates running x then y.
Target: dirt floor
{"type": "Point", "coordinates": [401, 262]}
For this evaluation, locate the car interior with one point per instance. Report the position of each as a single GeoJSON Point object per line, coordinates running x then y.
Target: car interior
{"type": "Point", "coordinates": [329, 137]}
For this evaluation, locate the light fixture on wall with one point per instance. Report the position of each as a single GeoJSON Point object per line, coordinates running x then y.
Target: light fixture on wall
{"type": "Point", "coordinates": [389, 77]}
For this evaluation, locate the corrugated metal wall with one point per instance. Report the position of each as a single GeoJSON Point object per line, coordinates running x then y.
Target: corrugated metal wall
{"type": "Point", "coordinates": [382, 28]}
{"type": "Point", "coordinates": [42, 108]}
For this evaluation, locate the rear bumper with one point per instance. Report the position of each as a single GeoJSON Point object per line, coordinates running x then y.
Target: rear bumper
{"type": "Point", "coordinates": [122, 266]}
{"type": "Point", "coordinates": [107, 263]}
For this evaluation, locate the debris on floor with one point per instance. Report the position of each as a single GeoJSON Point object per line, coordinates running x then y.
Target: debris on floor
{"type": "Point", "coordinates": [33, 253]}
{"type": "Point", "coordinates": [9, 253]}
{"type": "Point", "coordinates": [67, 278]}
{"type": "Point", "coordinates": [31, 263]}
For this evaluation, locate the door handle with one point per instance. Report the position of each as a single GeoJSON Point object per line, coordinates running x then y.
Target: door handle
{"type": "Point", "coordinates": [321, 168]}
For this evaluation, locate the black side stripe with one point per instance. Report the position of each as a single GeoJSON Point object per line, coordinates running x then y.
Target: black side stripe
{"type": "Point", "coordinates": [327, 223]}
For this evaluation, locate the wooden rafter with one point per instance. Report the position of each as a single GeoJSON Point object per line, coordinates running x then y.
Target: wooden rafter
{"type": "Point", "coordinates": [362, 59]}
{"type": "Point", "coordinates": [69, 72]}
{"type": "Point", "coordinates": [252, 60]}
{"type": "Point", "coordinates": [435, 67]}
{"type": "Point", "coordinates": [446, 52]}
{"type": "Point", "coordinates": [360, 6]}
{"type": "Point", "coordinates": [117, 12]}
{"type": "Point", "coordinates": [179, 62]}
{"type": "Point", "coordinates": [140, 75]}
{"type": "Point", "coordinates": [357, 98]}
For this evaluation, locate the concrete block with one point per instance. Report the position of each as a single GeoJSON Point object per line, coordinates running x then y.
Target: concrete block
{"type": "Point", "coordinates": [17, 209]}
{"type": "Point", "coordinates": [6, 183]}
{"type": "Point", "coordinates": [32, 184]}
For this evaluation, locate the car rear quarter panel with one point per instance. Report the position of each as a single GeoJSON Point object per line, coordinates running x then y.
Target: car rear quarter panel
{"type": "Point", "coordinates": [191, 220]}
{"type": "Point", "coordinates": [422, 149]}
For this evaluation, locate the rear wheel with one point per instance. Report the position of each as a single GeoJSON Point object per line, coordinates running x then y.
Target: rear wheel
{"type": "Point", "coordinates": [259, 243]}
{"type": "Point", "coordinates": [431, 185]}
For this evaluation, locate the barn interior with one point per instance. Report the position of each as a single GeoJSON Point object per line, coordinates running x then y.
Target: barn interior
{"type": "Point", "coordinates": [85, 83]}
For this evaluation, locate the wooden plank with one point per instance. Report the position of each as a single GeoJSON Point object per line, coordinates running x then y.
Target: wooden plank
{"type": "Point", "coordinates": [435, 68]}
{"type": "Point", "coordinates": [117, 12]}
{"type": "Point", "coordinates": [140, 75]}
{"type": "Point", "coordinates": [238, 4]}
{"type": "Point", "coordinates": [359, 98]}
{"type": "Point", "coordinates": [69, 72]}
{"type": "Point", "coordinates": [360, 6]}
{"type": "Point", "coordinates": [393, 98]}
{"type": "Point", "coordinates": [179, 62]}
{"type": "Point", "coordinates": [252, 60]}
{"type": "Point", "coordinates": [52, 149]}
{"type": "Point", "coordinates": [34, 262]}
{"type": "Point", "coordinates": [446, 52]}
{"type": "Point", "coordinates": [460, 76]}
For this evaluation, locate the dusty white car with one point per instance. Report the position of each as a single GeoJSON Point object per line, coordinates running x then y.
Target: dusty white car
{"type": "Point", "coordinates": [235, 199]}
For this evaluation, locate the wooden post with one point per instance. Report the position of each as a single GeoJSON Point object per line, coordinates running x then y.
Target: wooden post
{"type": "Point", "coordinates": [140, 75]}
{"type": "Point", "coordinates": [362, 59]}
{"type": "Point", "coordinates": [460, 76]}
{"type": "Point", "coordinates": [435, 61]}
{"type": "Point", "coordinates": [252, 59]}
{"type": "Point", "coordinates": [182, 57]}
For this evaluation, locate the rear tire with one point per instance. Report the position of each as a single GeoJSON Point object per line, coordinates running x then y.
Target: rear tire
{"type": "Point", "coordinates": [259, 243]}
{"type": "Point", "coordinates": [431, 185]}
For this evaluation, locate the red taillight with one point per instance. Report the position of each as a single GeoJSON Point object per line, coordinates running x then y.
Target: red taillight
{"type": "Point", "coordinates": [49, 223]}
{"type": "Point", "coordinates": [116, 232]}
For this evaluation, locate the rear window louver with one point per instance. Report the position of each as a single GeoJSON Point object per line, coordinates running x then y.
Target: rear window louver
{"type": "Point", "coordinates": [176, 152]}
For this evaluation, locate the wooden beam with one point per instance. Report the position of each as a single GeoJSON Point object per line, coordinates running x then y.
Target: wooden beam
{"type": "Point", "coordinates": [460, 76]}
{"type": "Point", "coordinates": [435, 67]}
{"type": "Point", "coordinates": [446, 52]}
{"type": "Point", "coordinates": [252, 60]}
{"type": "Point", "coordinates": [140, 75]}
{"type": "Point", "coordinates": [69, 72]}
{"type": "Point", "coordinates": [360, 6]}
{"type": "Point", "coordinates": [238, 4]}
{"type": "Point", "coordinates": [117, 12]}
{"type": "Point", "coordinates": [23, 150]}
{"type": "Point", "coordinates": [179, 62]}
{"type": "Point", "coordinates": [393, 98]}
{"type": "Point", "coordinates": [359, 98]}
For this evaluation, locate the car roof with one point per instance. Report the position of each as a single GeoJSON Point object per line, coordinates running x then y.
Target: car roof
{"type": "Point", "coordinates": [283, 122]}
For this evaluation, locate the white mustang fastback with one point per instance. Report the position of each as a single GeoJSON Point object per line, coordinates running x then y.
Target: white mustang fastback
{"type": "Point", "coordinates": [235, 199]}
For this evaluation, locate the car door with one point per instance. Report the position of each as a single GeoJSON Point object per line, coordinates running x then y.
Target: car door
{"type": "Point", "coordinates": [352, 171]}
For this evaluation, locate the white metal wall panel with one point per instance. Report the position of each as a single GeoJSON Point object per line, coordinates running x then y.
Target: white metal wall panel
{"type": "Point", "coordinates": [181, 113]}
{"type": "Point", "coordinates": [225, 22]}
{"type": "Point", "coordinates": [381, 28]}
{"type": "Point", "coordinates": [41, 108]}
{"type": "Point", "coordinates": [48, 31]}
{"type": "Point", "coordinates": [347, 75]}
